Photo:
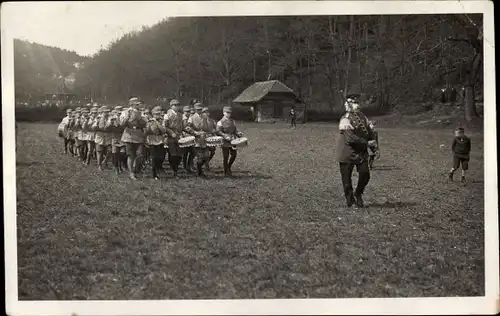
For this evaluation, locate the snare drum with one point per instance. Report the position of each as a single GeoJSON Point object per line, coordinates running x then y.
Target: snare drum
{"type": "Point", "coordinates": [239, 142]}
{"type": "Point", "coordinates": [188, 141]}
{"type": "Point", "coordinates": [214, 141]}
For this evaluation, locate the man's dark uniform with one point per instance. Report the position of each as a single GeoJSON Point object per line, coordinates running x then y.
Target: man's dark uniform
{"type": "Point", "coordinates": [352, 150]}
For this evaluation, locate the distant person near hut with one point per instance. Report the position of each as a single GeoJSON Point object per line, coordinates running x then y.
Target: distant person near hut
{"type": "Point", "coordinates": [293, 117]}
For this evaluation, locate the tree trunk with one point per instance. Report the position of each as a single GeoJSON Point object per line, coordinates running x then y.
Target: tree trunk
{"type": "Point", "coordinates": [349, 55]}
{"type": "Point", "coordinates": [470, 104]}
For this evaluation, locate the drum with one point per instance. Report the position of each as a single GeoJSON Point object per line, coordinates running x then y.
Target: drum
{"type": "Point", "coordinates": [185, 142]}
{"type": "Point", "coordinates": [60, 130]}
{"type": "Point", "coordinates": [239, 142]}
{"type": "Point", "coordinates": [214, 141]}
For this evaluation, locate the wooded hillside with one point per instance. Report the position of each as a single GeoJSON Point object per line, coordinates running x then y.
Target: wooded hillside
{"type": "Point", "coordinates": [390, 59]}
{"type": "Point", "coordinates": [40, 69]}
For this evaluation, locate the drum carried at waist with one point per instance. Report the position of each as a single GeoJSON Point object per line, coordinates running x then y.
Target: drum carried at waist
{"type": "Point", "coordinates": [185, 142]}
{"type": "Point", "coordinates": [214, 141]}
{"type": "Point", "coordinates": [239, 142]}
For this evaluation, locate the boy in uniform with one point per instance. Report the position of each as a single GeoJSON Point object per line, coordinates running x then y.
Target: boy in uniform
{"type": "Point", "coordinates": [293, 118]}
{"type": "Point", "coordinates": [84, 135]}
{"type": "Point", "coordinates": [210, 128]}
{"type": "Point", "coordinates": [174, 127]}
{"type": "Point", "coordinates": [77, 132]}
{"type": "Point", "coordinates": [226, 128]}
{"type": "Point", "coordinates": [64, 132]}
{"type": "Point", "coordinates": [133, 136]}
{"type": "Point", "coordinates": [460, 147]}
{"type": "Point", "coordinates": [188, 157]}
{"type": "Point", "coordinates": [155, 131]}
{"type": "Point", "coordinates": [118, 151]}
{"type": "Point", "coordinates": [102, 137]}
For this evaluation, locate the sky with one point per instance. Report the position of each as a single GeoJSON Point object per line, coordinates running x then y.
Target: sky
{"type": "Point", "coordinates": [82, 27]}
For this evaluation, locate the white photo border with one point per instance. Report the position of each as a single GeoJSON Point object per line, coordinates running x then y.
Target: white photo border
{"type": "Point", "coordinates": [488, 304]}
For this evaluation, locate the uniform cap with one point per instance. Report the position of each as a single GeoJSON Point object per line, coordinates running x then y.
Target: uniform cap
{"type": "Point", "coordinates": [118, 108]}
{"type": "Point", "coordinates": [197, 106]}
{"type": "Point", "coordinates": [93, 110]}
{"type": "Point", "coordinates": [69, 110]}
{"type": "Point", "coordinates": [157, 110]}
{"type": "Point", "coordinates": [205, 110]}
{"type": "Point", "coordinates": [104, 109]}
{"type": "Point", "coordinates": [174, 102]}
{"type": "Point", "coordinates": [187, 109]}
{"type": "Point", "coordinates": [134, 101]}
{"type": "Point", "coordinates": [78, 109]}
{"type": "Point", "coordinates": [353, 98]}
{"type": "Point", "coordinates": [227, 109]}
{"type": "Point", "coordinates": [85, 110]}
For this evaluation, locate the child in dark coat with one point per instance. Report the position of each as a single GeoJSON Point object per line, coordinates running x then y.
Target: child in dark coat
{"type": "Point", "coordinates": [460, 147]}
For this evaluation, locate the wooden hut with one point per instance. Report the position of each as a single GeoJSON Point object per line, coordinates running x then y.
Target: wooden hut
{"type": "Point", "coordinates": [270, 101]}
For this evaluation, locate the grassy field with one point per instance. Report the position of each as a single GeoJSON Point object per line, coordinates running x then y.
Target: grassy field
{"type": "Point", "coordinates": [278, 229]}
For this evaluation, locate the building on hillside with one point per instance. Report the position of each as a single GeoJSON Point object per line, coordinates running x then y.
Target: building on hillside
{"type": "Point", "coordinates": [270, 101]}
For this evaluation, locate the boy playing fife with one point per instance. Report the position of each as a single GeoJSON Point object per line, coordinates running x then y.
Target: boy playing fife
{"type": "Point", "coordinates": [461, 152]}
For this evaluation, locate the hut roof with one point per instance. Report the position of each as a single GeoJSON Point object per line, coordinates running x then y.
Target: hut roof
{"type": "Point", "coordinates": [259, 90]}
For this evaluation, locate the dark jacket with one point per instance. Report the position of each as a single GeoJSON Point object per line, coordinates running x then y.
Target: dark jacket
{"type": "Point", "coordinates": [352, 141]}
{"type": "Point", "coordinates": [461, 146]}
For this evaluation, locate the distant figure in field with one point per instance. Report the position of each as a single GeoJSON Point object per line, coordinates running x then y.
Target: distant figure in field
{"type": "Point", "coordinates": [293, 117]}
{"type": "Point", "coordinates": [374, 147]}
{"type": "Point", "coordinates": [460, 147]}
{"type": "Point", "coordinates": [352, 150]}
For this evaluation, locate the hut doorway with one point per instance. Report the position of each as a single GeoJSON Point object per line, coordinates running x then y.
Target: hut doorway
{"type": "Point", "coordinates": [278, 110]}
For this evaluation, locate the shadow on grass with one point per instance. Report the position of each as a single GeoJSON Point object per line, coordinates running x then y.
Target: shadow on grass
{"type": "Point", "coordinates": [32, 163]}
{"type": "Point", "coordinates": [385, 168]}
{"type": "Point", "coordinates": [392, 204]}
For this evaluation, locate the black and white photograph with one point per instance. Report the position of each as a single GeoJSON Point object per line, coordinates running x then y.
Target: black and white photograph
{"type": "Point", "coordinates": [249, 157]}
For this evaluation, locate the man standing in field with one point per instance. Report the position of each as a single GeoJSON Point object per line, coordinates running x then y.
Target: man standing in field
{"type": "Point", "coordinates": [226, 128]}
{"type": "Point", "coordinates": [102, 137]}
{"type": "Point", "coordinates": [133, 136]}
{"type": "Point", "coordinates": [64, 130]}
{"type": "Point", "coordinates": [352, 150]}
{"type": "Point", "coordinates": [210, 127]}
{"type": "Point", "coordinates": [155, 132]}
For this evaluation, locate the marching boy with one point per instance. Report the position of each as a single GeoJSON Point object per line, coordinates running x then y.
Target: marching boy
{"type": "Point", "coordinates": [461, 153]}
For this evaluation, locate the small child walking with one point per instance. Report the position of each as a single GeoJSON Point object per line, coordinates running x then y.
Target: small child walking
{"type": "Point", "coordinates": [460, 147]}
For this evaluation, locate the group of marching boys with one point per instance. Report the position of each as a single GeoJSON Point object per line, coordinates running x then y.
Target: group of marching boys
{"type": "Point", "coordinates": [133, 137]}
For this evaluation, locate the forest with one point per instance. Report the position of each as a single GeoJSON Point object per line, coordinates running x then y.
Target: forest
{"type": "Point", "coordinates": [390, 59]}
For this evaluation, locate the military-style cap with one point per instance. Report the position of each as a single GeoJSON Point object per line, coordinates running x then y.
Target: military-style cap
{"type": "Point", "coordinates": [157, 110]}
{"type": "Point", "coordinates": [89, 104]}
{"type": "Point", "coordinates": [352, 98]}
{"type": "Point", "coordinates": [197, 106]}
{"type": "Point", "coordinates": [174, 102]}
{"type": "Point", "coordinates": [104, 109]}
{"type": "Point", "coordinates": [227, 109]}
{"type": "Point", "coordinates": [78, 109]}
{"type": "Point", "coordinates": [147, 111]}
{"type": "Point", "coordinates": [119, 108]}
{"type": "Point", "coordinates": [85, 110]}
{"type": "Point", "coordinates": [187, 109]}
{"type": "Point", "coordinates": [205, 110]}
{"type": "Point", "coordinates": [69, 110]}
{"type": "Point", "coordinates": [94, 110]}
{"type": "Point", "coordinates": [134, 101]}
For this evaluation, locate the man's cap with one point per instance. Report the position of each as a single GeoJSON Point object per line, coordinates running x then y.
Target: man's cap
{"type": "Point", "coordinates": [134, 101]}
{"type": "Point", "coordinates": [197, 106]}
{"type": "Point", "coordinates": [118, 108]}
{"type": "Point", "coordinates": [147, 111]}
{"type": "Point", "coordinates": [227, 109]}
{"type": "Point", "coordinates": [78, 109]}
{"type": "Point", "coordinates": [204, 110]}
{"type": "Point", "coordinates": [157, 110]}
{"type": "Point", "coordinates": [85, 110]}
{"type": "Point", "coordinates": [174, 102]}
{"type": "Point", "coordinates": [352, 98]}
{"type": "Point", "coordinates": [104, 109]}
{"type": "Point", "coordinates": [94, 110]}
{"type": "Point", "coordinates": [69, 110]}
{"type": "Point", "coordinates": [89, 104]}
{"type": "Point", "coordinates": [187, 108]}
